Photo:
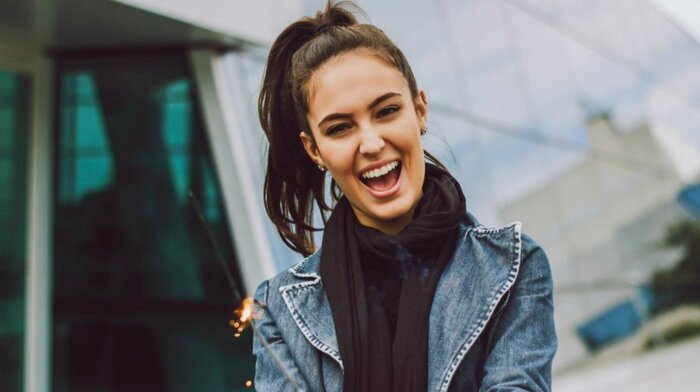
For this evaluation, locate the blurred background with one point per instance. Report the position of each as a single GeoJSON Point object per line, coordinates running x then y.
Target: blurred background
{"type": "Point", "coordinates": [580, 118]}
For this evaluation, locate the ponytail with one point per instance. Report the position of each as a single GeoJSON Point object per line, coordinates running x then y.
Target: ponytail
{"type": "Point", "coordinates": [292, 182]}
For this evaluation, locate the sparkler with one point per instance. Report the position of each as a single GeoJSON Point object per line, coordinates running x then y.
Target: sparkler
{"type": "Point", "coordinates": [244, 314]}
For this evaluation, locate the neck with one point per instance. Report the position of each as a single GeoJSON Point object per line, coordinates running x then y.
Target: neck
{"type": "Point", "coordinates": [389, 227]}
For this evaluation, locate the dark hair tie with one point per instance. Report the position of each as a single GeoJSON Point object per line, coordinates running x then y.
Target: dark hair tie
{"type": "Point", "coordinates": [323, 28]}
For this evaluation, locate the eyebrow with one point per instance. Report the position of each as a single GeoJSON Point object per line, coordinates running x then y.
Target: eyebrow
{"type": "Point", "coordinates": [372, 104]}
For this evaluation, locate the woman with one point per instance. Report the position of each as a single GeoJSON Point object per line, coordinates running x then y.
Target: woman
{"type": "Point", "coordinates": [408, 292]}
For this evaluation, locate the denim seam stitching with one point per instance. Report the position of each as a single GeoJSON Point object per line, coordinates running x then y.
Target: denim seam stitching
{"type": "Point", "coordinates": [294, 270]}
{"type": "Point", "coordinates": [495, 230]}
{"type": "Point", "coordinates": [512, 275]}
{"type": "Point", "coordinates": [316, 342]}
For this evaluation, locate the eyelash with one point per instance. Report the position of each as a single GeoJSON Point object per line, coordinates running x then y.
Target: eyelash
{"type": "Point", "coordinates": [341, 127]}
{"type": "Point", "coordinates": [393, 108]}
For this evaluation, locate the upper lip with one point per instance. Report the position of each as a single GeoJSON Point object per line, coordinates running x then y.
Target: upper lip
{"type": "Point", "coordinates": [377, 165]}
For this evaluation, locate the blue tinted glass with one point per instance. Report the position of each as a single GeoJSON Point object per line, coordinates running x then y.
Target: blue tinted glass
{"type": "Point", "coordinates": [689, 197]}
{"type": "Point", "coordinates": [141, 301]}
{"type": "Point", "coordinates": [14, 94]}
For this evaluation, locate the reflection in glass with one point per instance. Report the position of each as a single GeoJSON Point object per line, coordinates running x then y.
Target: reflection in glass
{"type": "Point", "coordinates": [141, 302]}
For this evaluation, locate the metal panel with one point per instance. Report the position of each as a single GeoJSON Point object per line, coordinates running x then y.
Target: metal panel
{"type": "Point", "coordinates": [223, 123]}
{"type": "Point", "coordinates": [37, 369]}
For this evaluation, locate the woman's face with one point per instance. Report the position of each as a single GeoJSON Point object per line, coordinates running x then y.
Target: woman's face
{"type": "Point", "coordinates": [366, 131]}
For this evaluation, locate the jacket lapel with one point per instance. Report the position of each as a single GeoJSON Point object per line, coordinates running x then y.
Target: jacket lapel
{"type": "Point", "coordinates": [466, 297]}
{"type": "Point", "coordinates": [308, 304]}
{"type": "Point", "coordinates": [471, 287]}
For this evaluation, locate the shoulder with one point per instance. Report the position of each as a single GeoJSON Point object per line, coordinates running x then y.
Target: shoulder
{"type": "Point", "coordinates": [504, 242]}
{"type": "Point", "coordinates": [503, 247]}
{"type": "Point", "coordinates": [306, 271]}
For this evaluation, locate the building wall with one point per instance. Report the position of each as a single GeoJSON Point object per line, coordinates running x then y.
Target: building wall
{"type": "Point", "coordinates": [602, 225]}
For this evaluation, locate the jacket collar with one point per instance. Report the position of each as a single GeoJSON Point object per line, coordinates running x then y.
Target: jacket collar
{"type": "Point", "coordinates": [309, 306]}
{"type": "Point", "coordinates": [470, 289]}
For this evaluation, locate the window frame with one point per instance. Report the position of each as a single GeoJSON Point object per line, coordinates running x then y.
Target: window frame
{"type": "Point", "coordinates": [32, 63]}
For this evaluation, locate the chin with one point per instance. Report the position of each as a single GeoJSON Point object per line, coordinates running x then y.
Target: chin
{"type": "Point", "coordinates": [390, 217]}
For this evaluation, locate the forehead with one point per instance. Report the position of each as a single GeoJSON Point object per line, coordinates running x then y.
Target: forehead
{"type": "Point", "coordinates": [351, 79]}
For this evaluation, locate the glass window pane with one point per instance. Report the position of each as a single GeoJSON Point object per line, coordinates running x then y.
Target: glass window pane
{"type": "Point", "coordinates": [141, 301]}
{"type": "Point", "coordinates": [14, 94]}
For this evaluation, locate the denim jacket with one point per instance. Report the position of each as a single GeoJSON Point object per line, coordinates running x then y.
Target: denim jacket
{"type": "Point", "coordinates": [491, 324]}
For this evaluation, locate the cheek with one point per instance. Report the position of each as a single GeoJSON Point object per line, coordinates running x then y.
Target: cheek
{"type": "Point", "coordinates": [339, 159]}
{"type": "Point", "coordinates": [412, 144]}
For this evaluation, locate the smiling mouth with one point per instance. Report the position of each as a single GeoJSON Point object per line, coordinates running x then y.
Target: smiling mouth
{"type": "Point", "coordinates": [382, 178]}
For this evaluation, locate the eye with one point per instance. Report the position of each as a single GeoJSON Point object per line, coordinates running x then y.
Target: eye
{"type": "Point", "coordinates": [389, 110]}
{"type": "Point", "coordinates": [337, 129]}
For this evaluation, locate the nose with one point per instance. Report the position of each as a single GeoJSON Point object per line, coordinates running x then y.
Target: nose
{"type": "Point", "coordinates": [371, 141]}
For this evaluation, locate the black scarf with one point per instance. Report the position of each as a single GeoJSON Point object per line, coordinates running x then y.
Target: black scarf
{"type": "Point", "coordinates": [372, 360]}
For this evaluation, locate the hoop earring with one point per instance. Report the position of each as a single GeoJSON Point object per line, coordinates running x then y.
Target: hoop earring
{"type": "Point", "coordinates": [424, 131]}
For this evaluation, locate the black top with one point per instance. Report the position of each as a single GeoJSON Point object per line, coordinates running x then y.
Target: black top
{"type": "Point", "coordinates": [384, 278]}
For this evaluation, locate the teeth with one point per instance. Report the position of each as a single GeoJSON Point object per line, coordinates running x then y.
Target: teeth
{"type": "Point", "coordinates": [380, 171]}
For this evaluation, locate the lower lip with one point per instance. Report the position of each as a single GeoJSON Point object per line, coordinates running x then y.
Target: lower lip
{"type": "Point", "coordinates": [389, 192]}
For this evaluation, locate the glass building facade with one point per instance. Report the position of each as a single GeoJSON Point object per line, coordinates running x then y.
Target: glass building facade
{"type": "Point", "coordinates": [579, 118]}
{"type": "Point", "coordinates": [140, 296]}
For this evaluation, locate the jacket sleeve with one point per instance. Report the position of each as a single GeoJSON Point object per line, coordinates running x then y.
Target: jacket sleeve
{"type": "Point", "coordinates": [275, 369]}
{"type": "Point", "coordinates": [524, 339]}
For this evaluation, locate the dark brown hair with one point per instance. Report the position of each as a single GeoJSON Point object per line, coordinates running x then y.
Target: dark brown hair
{"type": "Point", "coordinates": [293, 182]}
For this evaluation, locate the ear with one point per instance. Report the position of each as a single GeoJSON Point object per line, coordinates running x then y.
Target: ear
{"type": "Point", "coordinates": [421, 105]}
{"type": "Point", "coordinates": [310, 147]}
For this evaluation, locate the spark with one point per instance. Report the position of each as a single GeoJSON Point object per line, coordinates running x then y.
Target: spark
{"type": "Point", "coordinates": [243, 315]}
